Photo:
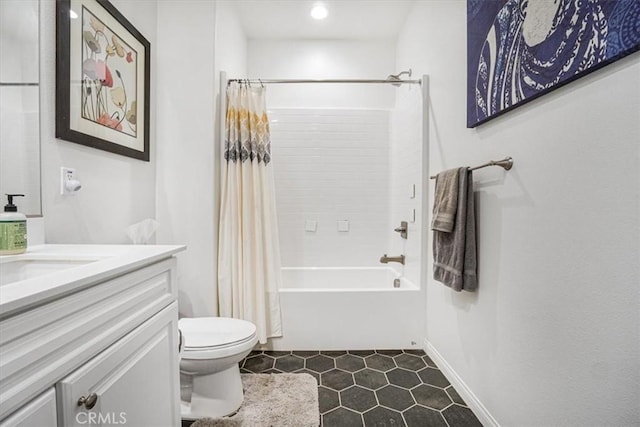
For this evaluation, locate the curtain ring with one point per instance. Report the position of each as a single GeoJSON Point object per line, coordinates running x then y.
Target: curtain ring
{"type": "Point", "coordinates": [261, 84]}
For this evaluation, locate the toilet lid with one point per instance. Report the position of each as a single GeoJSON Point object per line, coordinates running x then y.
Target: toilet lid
{"type": "Point", "coordinates": [204, 332]}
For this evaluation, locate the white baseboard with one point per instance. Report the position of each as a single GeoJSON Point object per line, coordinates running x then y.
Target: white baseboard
{"type": "Point", "coordinates": [463, 390]}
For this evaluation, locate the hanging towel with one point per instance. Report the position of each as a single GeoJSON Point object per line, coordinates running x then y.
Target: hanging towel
{"type": "Point", "coordinates": [446, 201]}
{"type": "Point", "coordinates": [454, 254]}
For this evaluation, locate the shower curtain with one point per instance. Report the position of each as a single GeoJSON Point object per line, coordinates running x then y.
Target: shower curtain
{"type": "Point", "coordinates": [248, 249]}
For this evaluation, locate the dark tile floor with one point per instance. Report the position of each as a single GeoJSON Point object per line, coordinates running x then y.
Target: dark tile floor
{"type": "Point", "coordinates": [372, 387]}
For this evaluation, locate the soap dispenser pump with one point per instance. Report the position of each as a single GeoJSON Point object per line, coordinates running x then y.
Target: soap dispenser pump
{"type": "Point", "coordinates": [13, 228]}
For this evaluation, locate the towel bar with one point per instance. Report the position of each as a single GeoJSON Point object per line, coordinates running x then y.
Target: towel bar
{"type": "Point", "coordinates": [506, 164]}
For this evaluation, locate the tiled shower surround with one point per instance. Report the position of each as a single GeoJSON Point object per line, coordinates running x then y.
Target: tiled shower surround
{"type": "Point", "coordinates": [363, 166]}
{"type": "Point", "coordinates": [331, 165]}
{"type": "Point", "coordinates": [372, 387]}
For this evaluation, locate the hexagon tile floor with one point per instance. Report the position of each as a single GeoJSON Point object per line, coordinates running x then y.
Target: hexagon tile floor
{"type": "Point", "coordinates": [372, 387]}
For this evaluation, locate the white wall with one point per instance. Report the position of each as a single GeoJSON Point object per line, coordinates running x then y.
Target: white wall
{"type": "Point", "coordinates": [231, 43]}
{"type": "Point", "coordinates": [551, 336]}
{"type": "Point", "coordinates": [197, 39]}
{"type": "Point", "coordinates": [323, 59]}
{"type": "Point", "coordinates": [116, 190]}
{"type": "Point", "coordinates": [231, 58]}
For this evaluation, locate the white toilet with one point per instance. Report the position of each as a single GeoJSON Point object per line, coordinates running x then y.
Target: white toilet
{"type": "Point", "coordinates": [209, 373]}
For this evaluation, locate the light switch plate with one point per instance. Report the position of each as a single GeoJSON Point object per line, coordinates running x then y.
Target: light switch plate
{"type": "Point", "coordinates": [343, 225]}
{"type": "Point", "coordinates": [310, 225]}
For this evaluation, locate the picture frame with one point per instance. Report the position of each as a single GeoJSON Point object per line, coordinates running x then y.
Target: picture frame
{"type": "Point", "coordinates": [518, 51]}
{"type": "Point", "coordinates": [102, 79]}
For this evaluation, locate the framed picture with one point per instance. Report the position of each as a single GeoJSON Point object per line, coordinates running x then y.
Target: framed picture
{"type": "Point", "coordinates": [102, 79]}
{"type": "Point", "coordinates": [519, 50]}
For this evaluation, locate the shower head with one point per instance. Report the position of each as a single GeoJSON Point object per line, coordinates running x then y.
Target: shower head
{"type": "Point", "coordinates": [396, 77]}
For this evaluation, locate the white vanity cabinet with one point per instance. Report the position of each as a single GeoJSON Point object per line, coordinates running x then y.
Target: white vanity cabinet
{"type": "Point", "coordinates": [103, 353]}
{"type": "Point", "coordinates": [129, 383]}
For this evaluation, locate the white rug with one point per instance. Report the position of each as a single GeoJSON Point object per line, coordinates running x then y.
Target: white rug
{"type": "Point", "coordinates": [273, 400]}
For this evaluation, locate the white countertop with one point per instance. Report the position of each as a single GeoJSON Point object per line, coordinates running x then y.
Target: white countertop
{"type": "Point", "coordinates": [105, 262]}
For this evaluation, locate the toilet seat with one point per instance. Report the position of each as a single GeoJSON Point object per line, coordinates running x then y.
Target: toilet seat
{"type": "Point", "coordinates": [215, 337]}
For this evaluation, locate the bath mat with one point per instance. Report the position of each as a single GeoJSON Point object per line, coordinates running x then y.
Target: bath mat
{"type": "Point", "coordinates": [273, 400]}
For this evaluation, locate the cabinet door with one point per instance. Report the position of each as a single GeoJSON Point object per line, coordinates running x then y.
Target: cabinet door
{"type": "Point", "coordinates": [40, 412]}
{"type": "Point", "coordinates": [134, 382]}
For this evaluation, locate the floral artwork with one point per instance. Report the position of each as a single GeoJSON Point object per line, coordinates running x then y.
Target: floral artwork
{"type": "Point", "coordinates": [102, 79]}
{"type": "Point", "coordinates": [108, 67]}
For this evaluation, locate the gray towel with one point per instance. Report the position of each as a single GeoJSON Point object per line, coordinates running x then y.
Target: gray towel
{"type": "Point", "coordinates": [445, 201]}
{"type": "Point", "coordinates": [454, 254]}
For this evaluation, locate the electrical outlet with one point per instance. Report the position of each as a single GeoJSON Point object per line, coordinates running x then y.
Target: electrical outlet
{"type": "Point", "coordinates": [69, 183]}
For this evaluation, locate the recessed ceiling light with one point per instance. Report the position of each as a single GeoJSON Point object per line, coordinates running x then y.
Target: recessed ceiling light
{"type": "Point", "coordinates": [319, 11]}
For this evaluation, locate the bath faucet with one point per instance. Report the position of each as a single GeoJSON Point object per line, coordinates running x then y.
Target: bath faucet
{"type": "Point", "coordinates": [386, 259]}
{"type": "Point", "coordinates": [402, 229]}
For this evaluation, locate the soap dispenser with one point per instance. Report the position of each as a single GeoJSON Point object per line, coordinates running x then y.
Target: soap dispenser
{"type": "Point", "coordinates": [13, 229]}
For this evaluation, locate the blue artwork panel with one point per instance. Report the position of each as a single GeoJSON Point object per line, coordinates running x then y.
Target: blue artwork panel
{"type": "Point", "coordinates": [518, 50]}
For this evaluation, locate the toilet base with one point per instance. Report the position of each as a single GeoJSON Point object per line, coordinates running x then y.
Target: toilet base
{"type": "Point", "coordinates": [216, 395]}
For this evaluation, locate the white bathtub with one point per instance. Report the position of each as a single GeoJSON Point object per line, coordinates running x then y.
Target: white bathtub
{"type": "Point", "coordinates": [348, 308]}
{"type": "Point", "coordinates": [343, 279]}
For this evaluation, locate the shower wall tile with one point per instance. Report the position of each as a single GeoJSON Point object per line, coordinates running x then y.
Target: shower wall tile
{"type": "Point", "coordinates": [406, 170]}
{"type": "Point", "coordinates": [331, 165]}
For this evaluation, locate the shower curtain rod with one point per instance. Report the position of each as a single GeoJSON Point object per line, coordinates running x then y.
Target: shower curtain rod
{"type": "Point", "coordinates": [277, 81]}
{"type": "Point", "coordinates": [506, 164]}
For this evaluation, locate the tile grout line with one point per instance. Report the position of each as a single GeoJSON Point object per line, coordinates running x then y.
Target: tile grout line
{"type": "Point", "coordinates": [401, 361]}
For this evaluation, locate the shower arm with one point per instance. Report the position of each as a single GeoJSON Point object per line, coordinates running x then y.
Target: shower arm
{"type": "Point", "coordinates": [401, 73]}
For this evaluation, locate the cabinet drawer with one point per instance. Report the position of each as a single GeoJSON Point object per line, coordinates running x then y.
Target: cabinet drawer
{"type": "Point", "coordinates": [41, 412]}
{"type": "Point", "coordinates": [46, 343]}
{"type": "Point", "coordinates": [143, 363]}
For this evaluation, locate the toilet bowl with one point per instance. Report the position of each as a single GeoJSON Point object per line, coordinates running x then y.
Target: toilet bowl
{"type": "Point", "coordinates": [209, 372]}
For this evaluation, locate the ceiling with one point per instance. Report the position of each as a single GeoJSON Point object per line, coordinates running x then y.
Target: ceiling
{"type": "Point", "coordinates": [347, 19]}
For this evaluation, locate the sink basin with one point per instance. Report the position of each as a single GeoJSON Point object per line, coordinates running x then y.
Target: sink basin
{"type": "Point", "coordinates": [46, 272]}
{"type": "Point", "coordinates": [20, 268]}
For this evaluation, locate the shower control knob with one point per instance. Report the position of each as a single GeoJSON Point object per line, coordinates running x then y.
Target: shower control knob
{"type": "Point", "coordinates": [402, 229]}
{"type": "Point", "coordinates": [88, 402]}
